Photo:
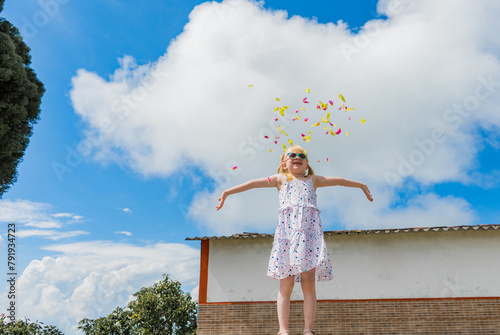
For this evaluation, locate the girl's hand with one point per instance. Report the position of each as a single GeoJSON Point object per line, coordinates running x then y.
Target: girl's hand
{"type": "Point", "coordinates": [221, 199]}
{"type": "Point", "coordinates": [367, 192]}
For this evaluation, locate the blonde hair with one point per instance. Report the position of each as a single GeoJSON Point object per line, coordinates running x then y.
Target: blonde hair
{"type": "Point", "coordinates": [297, 149]}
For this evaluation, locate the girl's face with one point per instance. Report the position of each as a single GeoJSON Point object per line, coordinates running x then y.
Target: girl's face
{"type": "Point", "coordinates": [294, 164]}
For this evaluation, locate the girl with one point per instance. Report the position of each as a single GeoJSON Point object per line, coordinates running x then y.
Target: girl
{"type": "Point", "coordinates": [299, 250]}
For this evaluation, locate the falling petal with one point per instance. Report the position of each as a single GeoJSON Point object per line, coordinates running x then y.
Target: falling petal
{"type": "Point", "coordinates": [282, 112]}
{"type": "Point", "coordinates": [270, 150]}
{"type": "Point", "coordinates": [347, 134]}
{"type": "Point", "coordinates": [331, 124]}
{"type": "Point", "coordinates": [275, 109]}
{"type": "Point", "coordinates": [303, 109]}
{"type": "Point", "coordinates": [325, 127]}
{"type": "Point", "coordinates": [297, 111]}
{"type": "Point", "coordinates": [250, 85]}
{"type": "Point", "coordinates": [302, 135]}
{"type": "Point", "coordinates": [341, 97]}
{"type": "Point", "coordinates": [305, 100]}
{"type": "Point", "coordinates": [363, 121]}
{"type": "Point", "coordinates": [349, 109]}
{"type": "Point", "coordinates": [340, 107]}
{"type": "Point", "coordinates": [331, 102]}
{"type": "Point", "coordinates": [328, 116]}
{"type": "Point", "coordinates": [308, 90]}
{"type": "Point", "coordinates": [316, 124]}
{"type": "Point", "coordinates": [290, 141]}
{"type": "Point", "coordinates": [278, 99]}
{"type": "Point", "coordinates": [275, 119]}
{"type": "Point", "coordinates": [326, 159]}
{"type": "Point", "coordinates": [349, 118]}
{"type": "Point", "coordinates": [332, 133]}
{"type": "Point", "coordinates": [284, 147]}
{"type": "Point", "coordinates": [305, 120]}
{"type": "Point", "coordinates": [235, 167]}
{"type": "Point", "coordinates": [309, 132]}
{"type": "Point", "coordinates": [277, 137]}
{"type": "Point", "coordinates": [318, 107]}
{"type": "Point", "coordinates": [307, 138]}
{"type": "Point", "coordinates": [265, 136]}
{"type": "Point", "coordinates": [338, 132]}
{"type": "Point", "coordinates": [268, 180]}
{"type": "Point", "coordinates": [275, 142]}
{"type": "Point", "coordinates": [298, 117]}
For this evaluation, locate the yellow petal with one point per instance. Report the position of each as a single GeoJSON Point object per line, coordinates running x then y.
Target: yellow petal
{"type": "Point", "coordinates": [349, 109]}
{"type": "Point", "coordinates": [328, 116]}
{"type": "Point", "coordinates": [290, 141]}
{"type": "Point", "coordinates": [250, 85]}
{"type": "Point", "coordinates": [270, 150]}
{"type": "Point", "coordinates": [278, 99]}
{"type": "Point", "coordinates": [363, 121]}
{"type": "Point", "coordinates": [308, 90]}
{"type": "Point", "coordinates": [315, 125]}
{"type": "Point", "coordinates": [282, 112]}
{"type": "Point", "coordinates": [341, 97]}
{"type": "Point", "coordinates": [284, 147]}
{"type": "Point", "coordinates": [332, 133]}
{"type": "Point", "coordinates": [303, 109]}
{"type": "Point", "coordinates": [275, 109]}
{"type": "Point", "coordinates": [347, 134]}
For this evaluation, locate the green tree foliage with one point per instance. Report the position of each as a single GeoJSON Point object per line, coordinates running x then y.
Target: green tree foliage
{"type": "Point", "coordinates": [161, 309]}
{"type": "Point", "coordinates": [20, 97]}
{"type": "Point", "coordinates": [26, 327]}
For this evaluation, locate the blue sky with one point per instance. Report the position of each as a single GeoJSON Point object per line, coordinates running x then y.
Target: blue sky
{"type": "Point", "coordinates": [153, 180]}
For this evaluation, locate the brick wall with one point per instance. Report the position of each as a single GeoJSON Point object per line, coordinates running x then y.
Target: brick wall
{"type": "Point", "coordinates": [404, 316]}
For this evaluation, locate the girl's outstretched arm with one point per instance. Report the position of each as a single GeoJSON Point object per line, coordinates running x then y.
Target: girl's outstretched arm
{"type": "Point", "coordinates": [256, 183]}
{"type": "Point", "coordinates": [335, 181]}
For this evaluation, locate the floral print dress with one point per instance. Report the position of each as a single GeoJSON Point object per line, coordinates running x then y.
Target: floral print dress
{"type": "Point", "coordinates": [299, 243]}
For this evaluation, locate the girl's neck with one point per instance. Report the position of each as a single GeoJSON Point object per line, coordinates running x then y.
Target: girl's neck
{"type": "Point", "coordinates": [298, 176]}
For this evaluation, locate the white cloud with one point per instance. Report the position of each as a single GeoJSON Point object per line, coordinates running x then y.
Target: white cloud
{"type": "Point", "coordinates": [126, 210]}
{"type": "Point", "coordinates": [90, 279]}
{"type": "Point", "coordinates": [26, 213]}
{"type": "Point", "coordinates": [50, 234]}
{"type": "Point", "coordinates": [127, 233]}
{"type": "Point", "coordinates": [426, 80]}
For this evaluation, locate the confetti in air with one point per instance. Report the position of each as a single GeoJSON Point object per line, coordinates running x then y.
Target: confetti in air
{"type": "Point", "coordinates": [314, 116]}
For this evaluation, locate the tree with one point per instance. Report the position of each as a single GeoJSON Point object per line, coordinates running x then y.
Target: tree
{"type": "Point", "coordinates": [20, 97]}
{"type": "Point", "coordinates": [161, 309]}
{"type": "Point", "coordinates": [25, 327]}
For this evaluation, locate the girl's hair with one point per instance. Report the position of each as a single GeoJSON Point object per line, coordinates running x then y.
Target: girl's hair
{"type": "Point", "coordinates": [298, 149]}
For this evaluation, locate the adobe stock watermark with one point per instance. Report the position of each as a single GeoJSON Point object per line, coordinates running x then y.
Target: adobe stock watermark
{"type": "Point", "coordinates": [371, 31]}
{"type": "Point", "coordinates": [453, 117]}
{"type": "Point", "coordinates": [249, 149]}
{"type": "Point", "coordinates": [121, 108]}
{"type": "Point", "coordinates": [48, 10]}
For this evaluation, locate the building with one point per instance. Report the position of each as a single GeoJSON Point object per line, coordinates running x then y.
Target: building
{"type": "Point", "coordinates": [439, 280]}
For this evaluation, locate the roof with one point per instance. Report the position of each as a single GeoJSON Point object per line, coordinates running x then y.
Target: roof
{"type": "Point", "coordinates": [246, 235]}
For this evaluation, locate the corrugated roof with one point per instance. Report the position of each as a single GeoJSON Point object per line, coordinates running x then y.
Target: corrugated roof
{"type": "Point", "coordinates": [359, 231]}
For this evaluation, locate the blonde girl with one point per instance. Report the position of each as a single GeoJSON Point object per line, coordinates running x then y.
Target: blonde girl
{"type": "Point", "coordinates": [299, 252]}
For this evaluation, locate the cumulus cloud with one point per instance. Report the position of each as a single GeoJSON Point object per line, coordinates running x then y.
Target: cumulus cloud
{"type": "Point", "coordinates": [426, 79]}
{"type": "Point", "coordinates": [90, 279]}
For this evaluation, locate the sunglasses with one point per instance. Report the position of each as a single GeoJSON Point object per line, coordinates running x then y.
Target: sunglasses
{"type": "Point", "coordinates": [292, 155]}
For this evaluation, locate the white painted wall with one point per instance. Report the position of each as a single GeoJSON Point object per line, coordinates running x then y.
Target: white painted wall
{"type": "Point", "coordinates": [374, 266]}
